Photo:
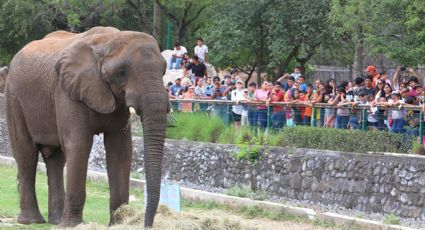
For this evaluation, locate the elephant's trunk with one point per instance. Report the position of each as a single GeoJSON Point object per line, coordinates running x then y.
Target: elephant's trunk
{"type": "Point", "coordinates": [154, 119]}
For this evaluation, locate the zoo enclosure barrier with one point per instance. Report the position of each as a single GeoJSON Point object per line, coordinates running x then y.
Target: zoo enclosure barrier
{"type": "Point", "coordinates": [317, 112]}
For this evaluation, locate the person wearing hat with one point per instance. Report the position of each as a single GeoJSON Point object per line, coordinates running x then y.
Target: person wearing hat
{"type": "Point", "coordinates": [237, 95]}
{"type": "Point", "coordinates": [371, 71]}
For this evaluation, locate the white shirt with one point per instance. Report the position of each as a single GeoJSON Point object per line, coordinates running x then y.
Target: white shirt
{"type": "Point", "coordinates": [200, 51]}
{"type": "Point", "coordinates": [180, 52]}
{"type": "Point", "coordinates": [237, 95]}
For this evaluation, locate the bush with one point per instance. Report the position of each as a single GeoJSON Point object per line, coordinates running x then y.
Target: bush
{"type": "Point", "coordinates": [202, 127]}
{"type": "Point", "coordinates": [346, 140]}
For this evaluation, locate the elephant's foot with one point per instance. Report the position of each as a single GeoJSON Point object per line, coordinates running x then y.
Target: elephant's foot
{"type": "Point", "coordinates": [72, 222]}
{"type": "Point", "coordinates": [30, 218]}
{"type": "Point", "coordinates": [55, 219]}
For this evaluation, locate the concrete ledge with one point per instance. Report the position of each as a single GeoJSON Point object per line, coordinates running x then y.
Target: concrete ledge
{"type": "Point", "coordinates": [197, 195]}
{"type": "Point", "coordinates": [363, 223]}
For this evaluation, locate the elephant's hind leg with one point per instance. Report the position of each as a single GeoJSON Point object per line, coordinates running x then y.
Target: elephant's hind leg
{"type": "Point", "coordinates": [54, 164]}
{"type": "Point", "coordinates": [26, 156]}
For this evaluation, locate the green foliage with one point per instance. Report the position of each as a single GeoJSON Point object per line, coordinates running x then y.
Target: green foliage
{"type": "Point", "coordinates": [246, 192]}
{"type": "Point", "coordinates": [391, 219]}
{"type": "Point", "coordinates": [346, 140]}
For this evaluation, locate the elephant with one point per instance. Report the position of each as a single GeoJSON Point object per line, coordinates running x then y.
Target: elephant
{"type": "Point", "coordinates": [3, 76]}
{"type": "Point", "coordinates": [67, 87]}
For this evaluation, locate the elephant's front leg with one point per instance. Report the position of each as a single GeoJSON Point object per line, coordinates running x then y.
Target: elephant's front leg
{"type": "Point", "coordinates": [119, 153]}
{"type": "Point", "coordinates": [77, 154]}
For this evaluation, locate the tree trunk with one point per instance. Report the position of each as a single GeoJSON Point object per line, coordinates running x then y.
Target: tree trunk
{"type": "Point", "coordinates": [358, 53]}
{"type": "Point", "coordinates": [156, 21]}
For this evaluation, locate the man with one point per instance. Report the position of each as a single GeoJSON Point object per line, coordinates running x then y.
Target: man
{"type": "Point", "coordinates": [199, 70]}
{"type": "Point", "coordinates": [237, 95]}
{"type": "Point", "coordinates": [177, 56]}
{"type": "Point", "coordinates": [371, 71]}
{"type": "Point", "coordinates": [174, 93]}
{"type": "Point", "coordinates": [368, 88]}
{"type": "Point", "coordinates": [201, 50]}
{"type": "Point", "coordinates": [290, 84]}
{"type": "Point", "coordinates": [278, 116]}
{"type": "Point", "coordinates": [219, 92]}
{"type": "Point", "coordinates": [302, 83]}
{"type": "Point", "coordinates": [252, 109]}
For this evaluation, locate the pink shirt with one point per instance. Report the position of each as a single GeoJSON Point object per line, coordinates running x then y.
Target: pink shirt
{"type": "Point", "coordinates": [261, 95]}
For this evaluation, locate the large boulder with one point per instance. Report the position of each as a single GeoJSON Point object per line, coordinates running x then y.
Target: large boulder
{"type": "Point", "coordinates": [172, 75]}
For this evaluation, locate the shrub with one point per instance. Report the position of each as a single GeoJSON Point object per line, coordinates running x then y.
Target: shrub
{"type": "Point", "coordinates": [346, 140]}
{"type": "Point", "coordinates": [391, 219]}
{"type": "Point", "coordinates": [202, 127]}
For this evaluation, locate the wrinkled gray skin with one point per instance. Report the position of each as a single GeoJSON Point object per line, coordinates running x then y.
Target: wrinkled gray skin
{"type": "Point", "coordinates": [67, 87]}
{"type": "Point", "coordinates": [3, 76]}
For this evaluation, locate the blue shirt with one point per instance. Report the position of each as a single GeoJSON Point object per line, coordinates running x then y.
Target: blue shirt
{"type": "Point", "coordinates": [303, 87]}
{"type": "Point", "coordinates": [208, 90]}
{"type": "Point", "coordinates": [175, 89]}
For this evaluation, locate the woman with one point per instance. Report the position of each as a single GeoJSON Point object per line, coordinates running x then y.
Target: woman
{"type": "Point", "coordinates": [388, 90]}
{"type": "Point", "coordinates": [379, 89]}
{"type": "Point", "coordinates": [261, 95]}
{"type": "Point", "coordinates": [342, 115]}
{"type": "Point", "coordinates": [190, 94]}
{"type": "Point", "coordinates": [296, 111]}
{"type": "Point", "coordinates": [329, 119]}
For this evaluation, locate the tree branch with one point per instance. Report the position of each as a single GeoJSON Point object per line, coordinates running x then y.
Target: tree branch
{"type": "Point", "coordinates": [288, 59]}
{"type": "Point", "coordinates": [198, 13]}
{"type": "Point", "coordinates": [166, 11]}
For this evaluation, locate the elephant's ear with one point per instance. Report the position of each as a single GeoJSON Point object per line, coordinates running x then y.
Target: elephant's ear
{"type": "Point", "coordinates": [79, 75]}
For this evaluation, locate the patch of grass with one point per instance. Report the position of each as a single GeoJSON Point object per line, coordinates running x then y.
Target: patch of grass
{"type": "Point", "coordinates": [246, 192]}
{"type": "Point", "coordinates": [391, 219]}
{"type": "Point", "coordinates": [96, 208]}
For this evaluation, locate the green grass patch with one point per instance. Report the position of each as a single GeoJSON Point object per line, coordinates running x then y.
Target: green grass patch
{"type": "Point", "coordinates": [391, 219]}
{"type": "Point", "coordinates": [208, 128]}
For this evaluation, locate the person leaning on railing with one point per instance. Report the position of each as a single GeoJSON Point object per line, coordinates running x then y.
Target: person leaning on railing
{"type": "Point", "coordinates": [278, 117]}
{"type": "Point", "coordinates": [261, 95]}
{"type": "Point", "coordinates": [252, 109]}
{"type": "Point", "coordinates": [219, 92]}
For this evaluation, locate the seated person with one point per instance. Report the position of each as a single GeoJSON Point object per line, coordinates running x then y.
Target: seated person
{"type": "Point", "coordinates": [177, 56]}
{"type": "Point", "coordinates": [198, 68]}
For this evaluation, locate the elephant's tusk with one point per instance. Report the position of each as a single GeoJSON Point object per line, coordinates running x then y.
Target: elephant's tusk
{"type": "Point", "coordinates": [132, 110]}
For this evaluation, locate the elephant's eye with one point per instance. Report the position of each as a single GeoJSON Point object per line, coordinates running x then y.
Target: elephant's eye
{"type": "Point", "coordinates": [122, 73]}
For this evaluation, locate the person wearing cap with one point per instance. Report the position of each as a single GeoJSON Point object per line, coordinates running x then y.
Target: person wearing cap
{"type": "Point", "coordinates": [371, 71]}
{"type": "Point", "coordinates": [237, 95]}
{"type": "Point", "coordinates": [177, 56]}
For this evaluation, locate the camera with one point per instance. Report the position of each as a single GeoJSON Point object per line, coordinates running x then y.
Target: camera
{"type": "Point", "coordinates": [403, 68]}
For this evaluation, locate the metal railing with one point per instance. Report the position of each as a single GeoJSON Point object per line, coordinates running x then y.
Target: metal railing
{"type": "Point", "coordinates": [315, 108]}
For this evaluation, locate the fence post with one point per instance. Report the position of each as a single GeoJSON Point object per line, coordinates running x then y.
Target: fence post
{"type": "Point", "coordinates": [268, 117]}
{"type": "Point", "coordinates": [421, 132]}
{"type": "Point", "coordinates": [364, 119]}
{"type": "Point", "coordinates": [228, 112]}
{"type": "Point", "coordinates": [313, 119]}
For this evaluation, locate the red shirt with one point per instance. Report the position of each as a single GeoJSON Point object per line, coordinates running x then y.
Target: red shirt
{"type": "Point", "coordinates": [278, 96]}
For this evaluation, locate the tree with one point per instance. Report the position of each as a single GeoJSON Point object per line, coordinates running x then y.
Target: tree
{"type": "Point", "coordinates": [270, 36]}
{"type": "Point", "coordinates": [184, 14]}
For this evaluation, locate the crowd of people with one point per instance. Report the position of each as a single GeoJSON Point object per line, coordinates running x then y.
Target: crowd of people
{"type": "Point", "coordinates": [375, 90]}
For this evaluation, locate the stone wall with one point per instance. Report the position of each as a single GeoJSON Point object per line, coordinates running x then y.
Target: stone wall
{"type": "Point", "coordinates": [387, 183]}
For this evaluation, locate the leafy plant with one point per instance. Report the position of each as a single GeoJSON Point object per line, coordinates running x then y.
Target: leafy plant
{"type": "Point", "coordinates": [391, 219]}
